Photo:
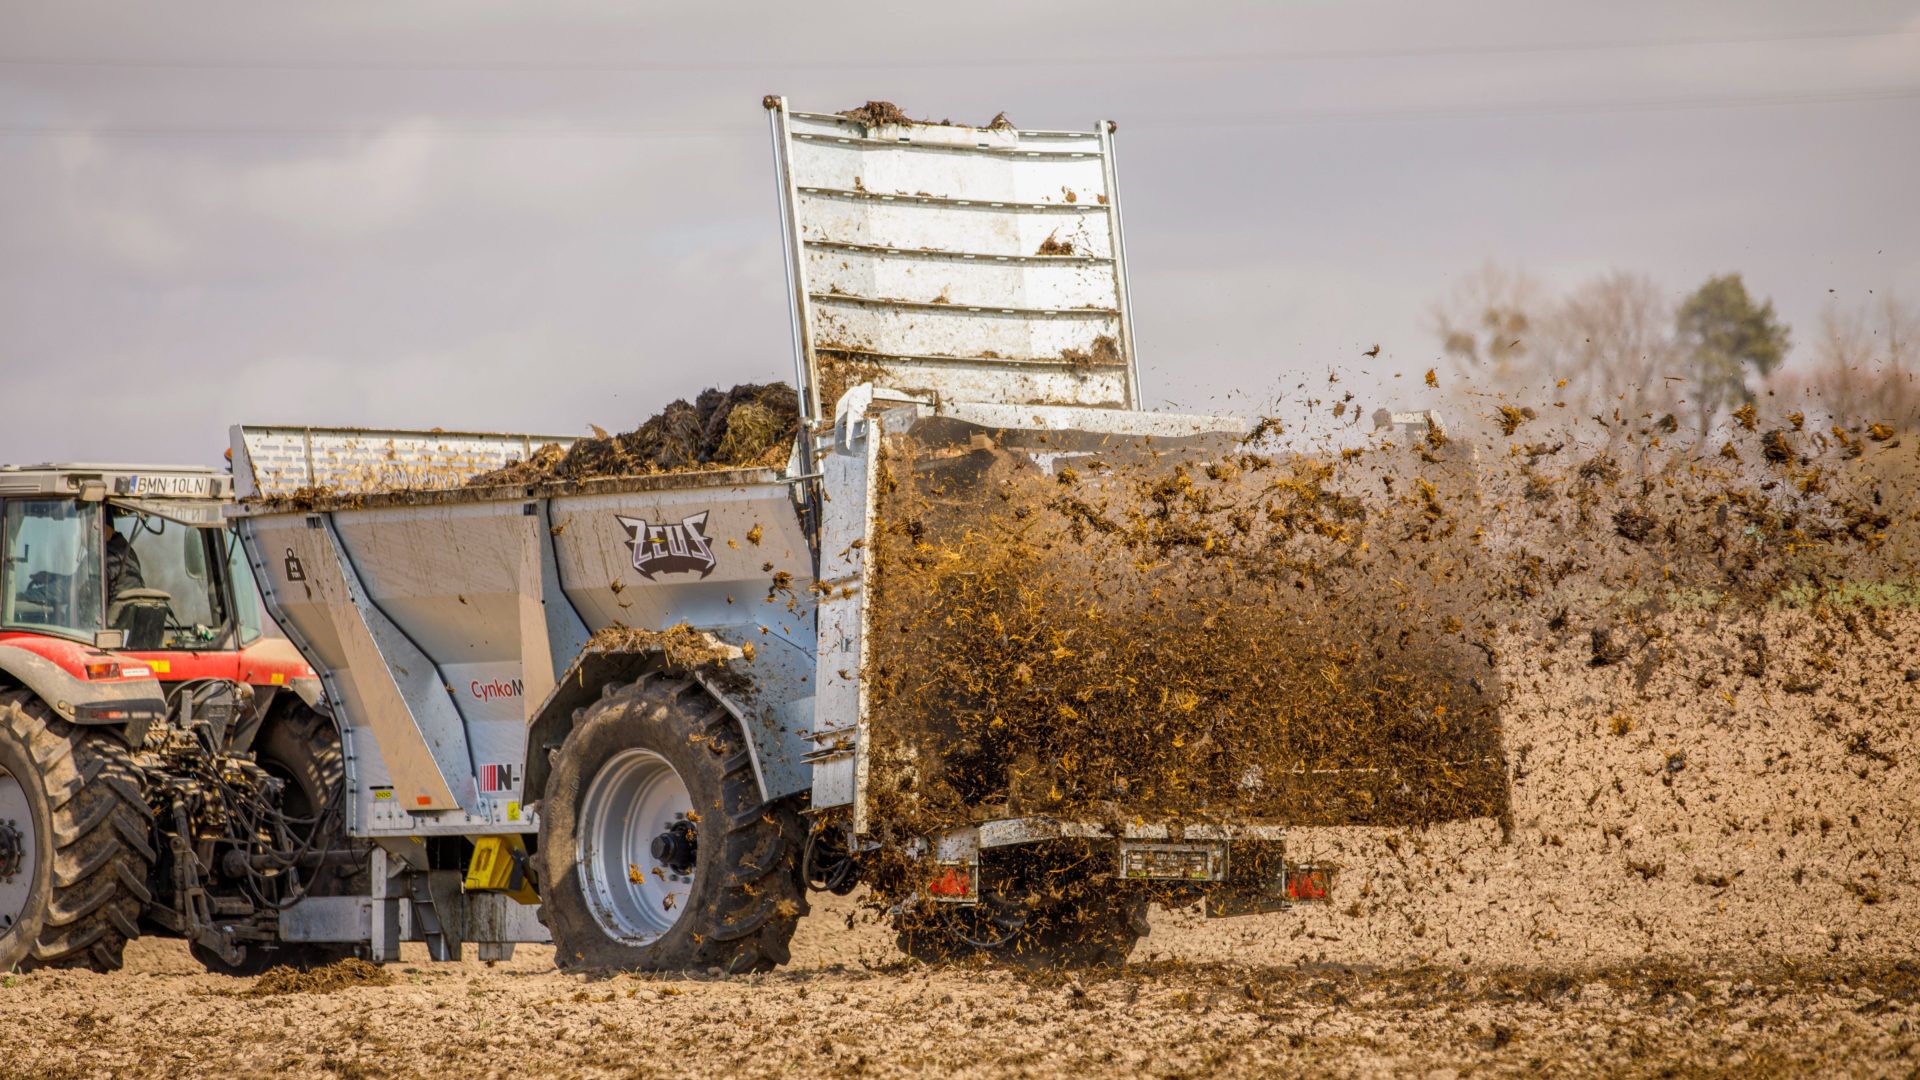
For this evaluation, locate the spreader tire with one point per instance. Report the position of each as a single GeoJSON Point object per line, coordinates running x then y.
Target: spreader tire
{"type": "Point", "coordinates": [660, 759]}
{"type": "Point", "coordinates": [85, 838]}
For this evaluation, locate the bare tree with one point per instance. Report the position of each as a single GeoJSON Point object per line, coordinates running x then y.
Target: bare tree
{"type": "Point", "coordinates": [1611, 339]}
{"type": "Point", "coordinates": [1865, 368]}
{"type": "Point", "coordinates": [1486, 324]}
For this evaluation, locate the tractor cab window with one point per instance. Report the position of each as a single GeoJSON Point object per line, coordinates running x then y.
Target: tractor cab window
{"type": "Point", "coordinates": [163, 581]}
{"type": "Point", "coordinates": [249, 613]}
{"type": "Point", "coordinates": [51, 579]}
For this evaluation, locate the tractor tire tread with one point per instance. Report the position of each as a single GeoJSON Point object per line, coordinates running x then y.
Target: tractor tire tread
{"type": "Point", "coordinates": [102, 845]}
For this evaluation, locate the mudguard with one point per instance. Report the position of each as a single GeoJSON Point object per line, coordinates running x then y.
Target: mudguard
{"type": "Point", "coordinates": [594, 669]}
{"type": "Point", "coordinates": [113, 702]}
{"type": "Point", "coordinates": [309, 691]}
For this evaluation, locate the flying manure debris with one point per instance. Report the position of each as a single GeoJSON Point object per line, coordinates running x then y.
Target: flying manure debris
{"type": "Point", "coordinates": [1195, 633]}
{"type": "Point", "coordinates": [1131, 630]}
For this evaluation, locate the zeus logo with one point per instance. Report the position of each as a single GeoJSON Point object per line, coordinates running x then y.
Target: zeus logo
{"type": "Point", "coordinates": [669, 549]}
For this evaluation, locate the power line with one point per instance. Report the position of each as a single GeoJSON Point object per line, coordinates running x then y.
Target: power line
{"type": "Point", "coordinates": [922, 62]}
{"type": "Point", "coordinates": [1274, 119]}
{"type": "Point", "coordinates": [1208, 120]}
{"type": "Point", "coordinates": [159, 131]}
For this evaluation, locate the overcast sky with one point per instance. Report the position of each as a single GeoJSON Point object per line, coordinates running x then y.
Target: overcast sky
{"type": "Point", "coordinates": [532, 216]}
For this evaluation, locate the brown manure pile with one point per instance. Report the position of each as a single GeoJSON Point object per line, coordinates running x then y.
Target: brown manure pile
{"type": "Point", "coordinates": [751, 425]}
{"type": "Point", "coordinates": [681, 645]}
{"type": "Point", "coordinates": [346, 974]}
{"type": "Point", "coordinates": [875, 113]}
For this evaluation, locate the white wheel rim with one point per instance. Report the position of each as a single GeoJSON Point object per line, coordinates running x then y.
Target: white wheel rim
{"type": "Point", "coordinates": [16, 820]}
{"type": "Point", "coordinates": [634, 798]}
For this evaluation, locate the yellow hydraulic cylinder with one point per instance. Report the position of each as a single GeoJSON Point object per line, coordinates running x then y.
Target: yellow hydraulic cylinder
{"type": "Point", "coordinates": [500, 865]}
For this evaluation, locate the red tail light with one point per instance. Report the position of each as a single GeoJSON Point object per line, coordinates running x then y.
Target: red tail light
{"type": "Point", "coordinates": [1309, 883]}
{"type": "Point", "coordinates": [952, 883]}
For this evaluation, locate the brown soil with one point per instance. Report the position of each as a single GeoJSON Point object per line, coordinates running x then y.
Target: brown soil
{"type": "Point", "coordinates": [1052, 246]}
{"type": "Point", "coordinates": [849, 1005]}
{"type": "Point", "coordinates": [748, 426]}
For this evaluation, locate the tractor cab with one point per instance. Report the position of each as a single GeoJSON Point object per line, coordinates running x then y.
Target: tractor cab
{"type": "Point", "coordinates": [137, 564]}
{"type": "Point", "coordinates": [137, 560]}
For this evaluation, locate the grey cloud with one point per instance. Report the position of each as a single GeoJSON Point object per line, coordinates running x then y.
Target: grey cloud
{"type": "Point", "coordinates": [488, 216]}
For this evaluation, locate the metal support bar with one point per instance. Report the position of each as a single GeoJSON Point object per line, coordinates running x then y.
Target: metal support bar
{"type": "Point", "coordinates": [1123, 295]}
{"type": "Point", "coordinates": [965, 309]}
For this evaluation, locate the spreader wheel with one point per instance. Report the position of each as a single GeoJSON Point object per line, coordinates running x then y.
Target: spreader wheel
{"type": "Point", "coordinates": [657, 853]}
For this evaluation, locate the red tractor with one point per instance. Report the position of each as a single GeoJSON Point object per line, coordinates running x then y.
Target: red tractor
{"type": "Point", "coordinates": [167, 762]}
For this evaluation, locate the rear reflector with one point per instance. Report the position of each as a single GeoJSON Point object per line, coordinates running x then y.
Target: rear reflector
{"type": "Point", "coordinates": [954, 883]}
{"type": "Point", "coordinates": [1308, 883]}
{"type": "Point", "coordinates": [114, 712]}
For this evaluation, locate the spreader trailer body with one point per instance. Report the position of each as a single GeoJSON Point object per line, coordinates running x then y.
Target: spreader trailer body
{"type": "Point", "coordinates": [643, 700]}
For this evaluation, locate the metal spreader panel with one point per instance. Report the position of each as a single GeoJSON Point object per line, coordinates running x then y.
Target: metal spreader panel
{"type": "Point", "coordinates": [279, 462]}
{"type": "Point", "coordinates": [980, 264]}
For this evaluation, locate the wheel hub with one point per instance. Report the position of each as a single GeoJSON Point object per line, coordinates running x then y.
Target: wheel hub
{"type": "Point", "coordinates": [676, 848]}
{"type": "Point", "coordinates": [18, 857]}
{"type": "Point", "coordinates": [13, 851]}
{"type": "Point", "coordinates": [638, 846]}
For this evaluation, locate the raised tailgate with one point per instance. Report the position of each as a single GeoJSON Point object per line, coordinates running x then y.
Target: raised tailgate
{"type": "Point", "coordinates": [980, 264]}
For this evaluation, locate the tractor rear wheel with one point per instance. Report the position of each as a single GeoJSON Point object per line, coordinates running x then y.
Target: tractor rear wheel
{"type": "Point", "coordinates": [76, 841]}
{"type": "Point", "coordinates": [656, 850]}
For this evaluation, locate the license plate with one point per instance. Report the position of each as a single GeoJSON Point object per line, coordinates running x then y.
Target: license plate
{"type": "Point", "coordinates": [160, 484]}
{"type": "Point", "coordinates": [1154, 861]}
